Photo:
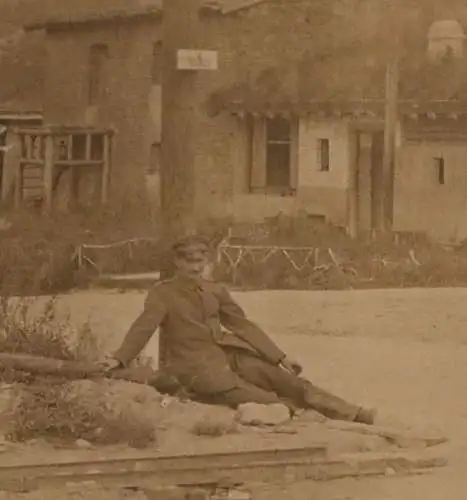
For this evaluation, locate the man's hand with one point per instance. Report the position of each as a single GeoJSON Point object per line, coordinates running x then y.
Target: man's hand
{"type": "Point", "coordinates": [109, 364]}
{"type": "Point", "coordinates": [291, 366]}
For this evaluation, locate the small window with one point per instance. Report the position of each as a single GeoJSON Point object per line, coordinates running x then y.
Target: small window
{"type": "Point", "coordinates": [98, 56]}
{"type": "Point", "coordinates": [323, 155]}
{"type": "Point", "coordinates": [439, 165]}
{"type": "Point", "coordinates": [156, 64]}
{"type": "Point", "coordinates": [155, 159]}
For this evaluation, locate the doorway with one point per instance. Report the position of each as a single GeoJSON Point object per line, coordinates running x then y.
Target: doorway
{"type": "Point", "coordinates": [2, 154]}
{"type": "Point", "coordinates": [368, 180]}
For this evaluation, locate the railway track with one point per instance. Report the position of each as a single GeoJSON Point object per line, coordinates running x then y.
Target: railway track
{"type": "Point", "coordinates": [208, 470]}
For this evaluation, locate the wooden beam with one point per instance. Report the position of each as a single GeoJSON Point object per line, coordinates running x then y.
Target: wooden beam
{"type": "Point", "coordinates": [69, 149]}
{"type": "Point", "coordinates": [48, 172]}
{"type": "Point", "coordinates": [106, 169]}
{"type": "Point", "coordinates": [88, 147]}
{"type": "Point", "coordinates": [18, 184]}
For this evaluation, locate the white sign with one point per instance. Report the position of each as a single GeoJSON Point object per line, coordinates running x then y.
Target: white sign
{"type": "Point", "coordinates": [195, 60]}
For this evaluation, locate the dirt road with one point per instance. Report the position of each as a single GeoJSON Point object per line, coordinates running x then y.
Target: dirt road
{"type": "Point", "coordinates": [404, 351]}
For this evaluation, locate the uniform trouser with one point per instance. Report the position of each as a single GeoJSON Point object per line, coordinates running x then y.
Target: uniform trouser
{"type": "Point", "coordinates": [264, 383]}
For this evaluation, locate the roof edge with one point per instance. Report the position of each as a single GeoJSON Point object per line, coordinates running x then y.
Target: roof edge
{"type": "Point", "coordinates": [212, 6]}
{"type": "Point", "coordinates": [12, 114]}
{"type": "Point", "coordinates": [231, 6]}
{"type": "Point", "coordinates": [94, 17]}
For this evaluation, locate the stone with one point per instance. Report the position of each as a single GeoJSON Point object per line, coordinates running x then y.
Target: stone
{"type": "Point", "coordinates": [258, 415]}
{"type": "Point", "coordinates": [197, 494]}
{"type": "Point", "coordinates": [5, 225]}
{"type": "Point", "coordinates": [309, 416]}
{"type": "Point", "coordinates": [166, 493]}
{"type": "Point", "coordinates": [389, 472]}
{"type": "Point", "coordinates": [83, 444]}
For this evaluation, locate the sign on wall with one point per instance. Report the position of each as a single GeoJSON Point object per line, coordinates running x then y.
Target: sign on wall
{"type": "Point", "coordinates": [197, 60]}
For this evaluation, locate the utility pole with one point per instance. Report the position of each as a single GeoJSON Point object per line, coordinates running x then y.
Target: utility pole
{"type": "Point", "coordinates": [394, 24]}
{"type": "Point", "coordinates": [391, 119]}
{"type": "Point", "coordinates": [180, 112]}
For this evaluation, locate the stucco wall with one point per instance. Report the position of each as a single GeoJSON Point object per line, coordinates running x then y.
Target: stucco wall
{"type": "Point", "coordinates": [421, 203]}
{"type": "Point", "coordinates": [248, 42]}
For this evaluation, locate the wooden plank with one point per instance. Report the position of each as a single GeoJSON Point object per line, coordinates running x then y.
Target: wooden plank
{"type": "Point", "coordinates": [49, 172]}
{"type": "Point", "coordinates": [79, 163]}
{"type": "Point", "coordinates": [258, 164]}
{"type": "Point", "coordinates": [33, 182]}
{"type": "Point", "coordinates": [60, 130]}
{"type": "Point", "coordinates": [31, 161]}
{"type": "Point", "coordinates": [29, 184]}
{"type": "Point", "coordinates": [69, 149]}
{"type": "Point", "coordinates": [403, 439]}
{"type": "Point", "coordinates": [258, 466]}
{"type": "Point", "coordinates": [18, 185]}
{"type": "Point", "coordinates": [88, 147]}
{"type": "Point", "coordinates": [154, 276]}
{"type": "Point", "coordinates": [106, 170]}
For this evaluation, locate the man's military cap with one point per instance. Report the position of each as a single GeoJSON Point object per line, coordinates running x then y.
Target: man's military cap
{"type": "Point", "coordinates": [191, 248]}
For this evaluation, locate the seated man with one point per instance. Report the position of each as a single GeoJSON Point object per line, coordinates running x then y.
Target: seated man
{"type": "Point", "coordinates": [242, 365]}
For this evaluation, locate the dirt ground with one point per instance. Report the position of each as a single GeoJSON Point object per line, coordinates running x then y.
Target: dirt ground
{"type": "Point", "coordinates": [404, 351]}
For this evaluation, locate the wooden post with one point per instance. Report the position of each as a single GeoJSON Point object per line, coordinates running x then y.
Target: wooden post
{"type": "Point", "coordinates": [73, 172]}
{"type": "Point", "coordinates": [48, 171]}
{"type": "Point", "coordinates": [105, 169]}
{"type": "Point", "coordinates": [88, 146]}
{"type": "Point", "coordinates": [390, 131]}
{"type": "Point", "coordinates": [19, 183]}
{"type": "Point", "coordinates": [352, 196]}
{"type": "Point", "coordinates": [69, 148]}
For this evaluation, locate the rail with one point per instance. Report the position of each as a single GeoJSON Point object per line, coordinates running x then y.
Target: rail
{"type": "Point", "coordinates": [216, 469]}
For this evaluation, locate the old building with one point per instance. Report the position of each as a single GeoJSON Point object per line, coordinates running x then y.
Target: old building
{"type": "Point", "coordinates": [293, 117]}
{"type": "Point", "coordinates": [21, 97]}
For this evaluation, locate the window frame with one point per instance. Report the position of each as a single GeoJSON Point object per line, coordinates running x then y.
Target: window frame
{"type": "Point", "coordinates": [259, 140]}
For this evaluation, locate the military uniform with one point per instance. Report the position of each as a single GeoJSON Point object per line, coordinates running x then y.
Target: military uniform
{"type": "Point", "coordinates": [230, 367]}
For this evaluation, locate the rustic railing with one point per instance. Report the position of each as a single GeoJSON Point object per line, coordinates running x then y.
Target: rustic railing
{"type": "Point", "coordinates": [46, 152]}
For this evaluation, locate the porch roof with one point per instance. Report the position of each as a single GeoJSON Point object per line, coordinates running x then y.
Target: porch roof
{"type": "Point", "coordinates": [424, 90]}
{"type": "Point", "coordinates": [353, 109]}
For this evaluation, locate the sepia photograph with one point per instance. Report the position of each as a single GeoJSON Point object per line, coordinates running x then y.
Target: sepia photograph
{"type": "Point", "coordinates": [233, 249]}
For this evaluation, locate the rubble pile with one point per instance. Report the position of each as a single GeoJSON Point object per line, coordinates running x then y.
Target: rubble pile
{"type": "Point", "coordinates": [118, 413]}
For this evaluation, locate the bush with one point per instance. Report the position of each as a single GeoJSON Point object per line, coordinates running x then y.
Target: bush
{"type": "Point", "coordinates": [57, 409]}
{"type": "Point", "coordinates": [340, 262]}
{"type": "Point", "coordinates": [37, 252]}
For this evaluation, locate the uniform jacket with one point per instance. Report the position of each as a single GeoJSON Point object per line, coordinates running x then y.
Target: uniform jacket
{"type": "Point", "coordinates": [191, 315]}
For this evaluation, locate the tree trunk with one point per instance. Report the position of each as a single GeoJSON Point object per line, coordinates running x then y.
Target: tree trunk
{"type": "Point", "coordinates": [76, 370]}
{"type": "Point", "coordinates": [181, 108]}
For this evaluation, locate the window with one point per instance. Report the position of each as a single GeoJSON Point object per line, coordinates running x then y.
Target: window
{"type": "Point", "coordinates": [323, 155]}
{"type": "Point", "coordinates": [278, 149]}
{"type": "Point", "coordinates": [439, 166]}
{"type": "Point", "coordinates": [98, 56]}
{"type": "Point", "coordinates": [271, 146]}
{"type": "Point", "coordinates": [155, 159]}
{"type": "Point", "coordinates": [156, 65]}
